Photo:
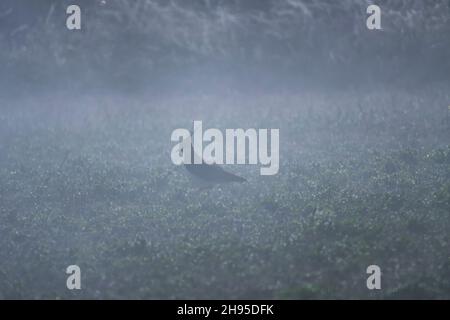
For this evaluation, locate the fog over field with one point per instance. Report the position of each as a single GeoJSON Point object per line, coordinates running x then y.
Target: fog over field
{"type": "Point", "coordinates": [86, 176]}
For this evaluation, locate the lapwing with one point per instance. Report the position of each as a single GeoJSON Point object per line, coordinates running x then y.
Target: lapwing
{"type": "Point", "coordinates": [208, 175]}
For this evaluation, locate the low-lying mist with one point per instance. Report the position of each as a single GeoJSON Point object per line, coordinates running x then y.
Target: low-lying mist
{"type": "Point", "coordinates": [86, 176]}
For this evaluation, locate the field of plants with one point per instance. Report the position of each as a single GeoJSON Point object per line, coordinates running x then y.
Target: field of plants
{"type": "Point", "coordinates": [364, 179]}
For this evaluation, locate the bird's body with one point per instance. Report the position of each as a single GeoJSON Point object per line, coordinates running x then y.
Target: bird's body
{"type": "Point", "coordinates": [211, 174]}
{"type": "Point", "coordinates": [207, 175]}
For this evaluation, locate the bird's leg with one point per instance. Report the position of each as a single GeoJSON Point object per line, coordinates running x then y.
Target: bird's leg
{"type": "Point", "coordinates": [205, 187]}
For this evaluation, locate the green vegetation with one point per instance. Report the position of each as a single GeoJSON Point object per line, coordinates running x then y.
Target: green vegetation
{"type": "Point", "coordinates": [364, 179]}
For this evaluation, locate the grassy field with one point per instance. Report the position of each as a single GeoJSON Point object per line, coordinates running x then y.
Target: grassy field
{"type": "Point", "coordinates": [364, 179]}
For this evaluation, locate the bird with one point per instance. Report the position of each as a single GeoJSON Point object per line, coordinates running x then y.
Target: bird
{"type": "Point", "coordinates": [208, 175]}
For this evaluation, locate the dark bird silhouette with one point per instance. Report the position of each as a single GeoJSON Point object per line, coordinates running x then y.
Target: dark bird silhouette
{"type": "Point", "coordinates": [207, 175]}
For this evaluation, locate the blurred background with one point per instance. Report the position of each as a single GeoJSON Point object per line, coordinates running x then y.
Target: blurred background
{"type": "Point", "coordinates": [131, 45]}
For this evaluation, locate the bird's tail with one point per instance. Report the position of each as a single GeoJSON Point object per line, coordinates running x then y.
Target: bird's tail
{"type": "Point", "coordinates": [235, 178]}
